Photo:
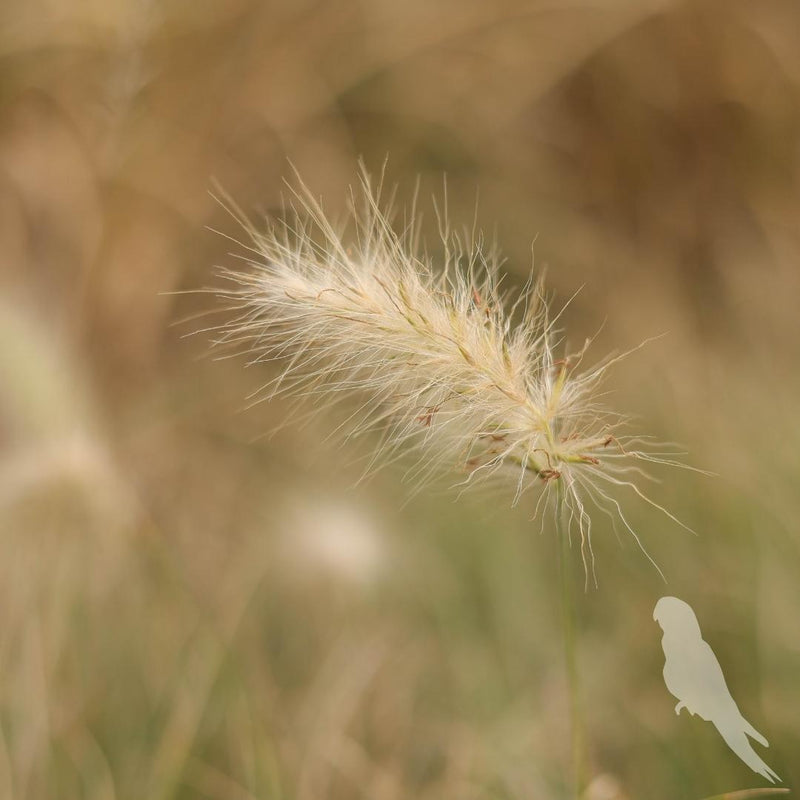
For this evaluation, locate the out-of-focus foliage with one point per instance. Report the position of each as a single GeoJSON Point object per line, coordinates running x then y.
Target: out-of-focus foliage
{"type": "Point", "coordinates": [189, 609]}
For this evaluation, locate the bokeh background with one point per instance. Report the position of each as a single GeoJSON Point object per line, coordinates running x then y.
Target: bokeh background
{"type": "Point", "coordinates": [192, 609]}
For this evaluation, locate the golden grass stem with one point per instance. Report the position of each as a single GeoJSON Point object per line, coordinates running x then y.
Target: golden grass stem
{"type": "Point", "coordinates": [569, 625]}
{"type": "Point", "coordinates": [746, 794]}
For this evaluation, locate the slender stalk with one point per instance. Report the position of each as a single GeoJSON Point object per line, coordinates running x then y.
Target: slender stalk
{"type": "Point", "coordinates": [569, 625]}
{"type": "Point", "coordinates": [747, 794]}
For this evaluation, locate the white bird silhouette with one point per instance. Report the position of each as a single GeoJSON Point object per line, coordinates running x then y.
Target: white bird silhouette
{"type": "Point", "coordinates": [693, 675]}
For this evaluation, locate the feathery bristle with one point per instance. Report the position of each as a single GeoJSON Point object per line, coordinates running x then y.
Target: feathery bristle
{"type": "Point", "coordinates": [442, 367]}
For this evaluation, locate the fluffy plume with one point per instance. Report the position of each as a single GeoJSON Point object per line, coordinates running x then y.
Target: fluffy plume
{"type": "Point", "coordinates": [442, 363]}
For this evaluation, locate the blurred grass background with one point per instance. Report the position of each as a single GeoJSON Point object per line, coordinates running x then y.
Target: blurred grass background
{"type": "Point", "coordinates": [191, 610]}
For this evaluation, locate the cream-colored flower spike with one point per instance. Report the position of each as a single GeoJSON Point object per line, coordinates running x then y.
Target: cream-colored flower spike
{"type": "Point", "coordinates": [433, 354]}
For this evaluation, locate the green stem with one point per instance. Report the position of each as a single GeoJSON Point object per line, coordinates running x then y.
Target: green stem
{"type": "Point", "coordinates": [569, 624]}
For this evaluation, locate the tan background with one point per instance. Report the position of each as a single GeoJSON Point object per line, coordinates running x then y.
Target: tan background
{"type": "Point", "coordinates": [189, 609]}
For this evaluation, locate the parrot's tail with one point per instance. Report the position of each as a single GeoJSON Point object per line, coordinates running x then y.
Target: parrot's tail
{"type": "Point", "coordinates": [753, 733]}
{"type": "Point", "coordinates": [735, 737]}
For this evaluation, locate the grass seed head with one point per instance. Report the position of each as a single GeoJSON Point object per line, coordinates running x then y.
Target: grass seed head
{"type": "Point", "coordinates": [443, 363]}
